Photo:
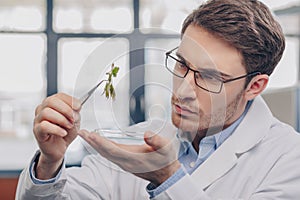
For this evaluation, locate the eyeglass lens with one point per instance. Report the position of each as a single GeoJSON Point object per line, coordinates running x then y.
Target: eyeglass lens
{"type": "Point", "coordinates": [204, 80]}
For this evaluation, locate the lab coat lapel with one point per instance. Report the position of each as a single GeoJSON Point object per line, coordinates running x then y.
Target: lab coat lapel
{"type": "Point", "coordinates": [247, 135]}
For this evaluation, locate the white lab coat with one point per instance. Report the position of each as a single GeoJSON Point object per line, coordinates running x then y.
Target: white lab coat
{"type": "Point", "coordinates": [260, 160]}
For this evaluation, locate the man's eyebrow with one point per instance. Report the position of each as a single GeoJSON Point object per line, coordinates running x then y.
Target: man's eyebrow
{"type": "Point", "coordinates": [181, 57]}
{"type": "Point", "coordinates": [214, 73]}
{"type": "Point", "coordinates": [210, 71]}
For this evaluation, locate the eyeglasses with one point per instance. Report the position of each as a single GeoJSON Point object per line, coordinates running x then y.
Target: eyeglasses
{"type": "Point", "coordinates": [207, 79]}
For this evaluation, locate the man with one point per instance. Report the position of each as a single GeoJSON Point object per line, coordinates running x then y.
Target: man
{"type": "Point", "coordinates": [231, 147]}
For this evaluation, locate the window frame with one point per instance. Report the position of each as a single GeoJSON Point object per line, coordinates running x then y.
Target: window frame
{"type": "Point", "coordinates": [137, 41]}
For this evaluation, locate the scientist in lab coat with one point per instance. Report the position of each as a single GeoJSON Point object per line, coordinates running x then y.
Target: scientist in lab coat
{"type": "Point", "coordinates": [227, 146]}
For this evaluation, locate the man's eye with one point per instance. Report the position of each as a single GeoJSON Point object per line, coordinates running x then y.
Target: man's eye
{"type": "Point", "coordinates": [181, 65]}
{"type": "Point", "coordinates": [207, 77]}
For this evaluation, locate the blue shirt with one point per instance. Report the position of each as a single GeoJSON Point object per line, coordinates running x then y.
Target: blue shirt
{"type": "Point", "coordinates": [190, 160]}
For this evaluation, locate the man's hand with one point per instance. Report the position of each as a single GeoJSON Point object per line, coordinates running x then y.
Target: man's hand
{"type": "Point", "coordinates": [155, 161]}
{"type": "Point", "coordinates": [56, 125]}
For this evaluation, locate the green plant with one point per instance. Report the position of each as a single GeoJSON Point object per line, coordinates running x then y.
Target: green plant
{"type": "Point", "coordinates": [109, 89]}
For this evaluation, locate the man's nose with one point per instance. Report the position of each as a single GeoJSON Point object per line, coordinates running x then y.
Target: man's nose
{"type": "Point", "coordinates": [186, 87]}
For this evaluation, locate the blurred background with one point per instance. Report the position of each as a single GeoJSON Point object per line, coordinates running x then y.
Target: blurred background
{"type": "Point", "coordinates": [49, 46]}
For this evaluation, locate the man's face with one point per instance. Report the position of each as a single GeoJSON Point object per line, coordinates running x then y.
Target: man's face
{"type": "Point", "coordinates": [194, 109]}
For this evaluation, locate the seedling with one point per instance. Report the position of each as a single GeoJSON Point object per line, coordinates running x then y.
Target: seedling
{"type": "Point", "coordinates": [109, 89]}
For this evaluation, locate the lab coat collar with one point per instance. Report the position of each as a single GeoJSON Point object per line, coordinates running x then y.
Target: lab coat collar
{"type": "Point", "coordinates": [247, 135]}
{"type": "Point", "coordinates": [253, 128]}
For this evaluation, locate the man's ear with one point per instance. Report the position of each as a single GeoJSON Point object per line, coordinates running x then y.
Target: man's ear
{"type": "Point", "coordinates": [256, 86]}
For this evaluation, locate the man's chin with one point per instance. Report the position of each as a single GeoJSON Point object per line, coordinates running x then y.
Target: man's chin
{"type": "Point", "coordinates": [186, 125]}
{"type": "Point", "coordinates": [186, 135]}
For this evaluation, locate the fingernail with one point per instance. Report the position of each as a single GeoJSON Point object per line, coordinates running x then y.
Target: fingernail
{"type": "Point", "coordinates": [64, 133]}
{"type": "Point", "coordinates": [76, 116]}
{"type": "Point", "coordinates": [69, 125]}
{"type": "Point", "coordinates": [76, 104]}
{"type": "Point", "coordinates": [148, 136]}
{"type": "Point", "coordinates": [149, 139]}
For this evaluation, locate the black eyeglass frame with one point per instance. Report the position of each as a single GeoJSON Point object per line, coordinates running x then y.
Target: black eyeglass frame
{"type": "Point", "coordinates": [168, 54]}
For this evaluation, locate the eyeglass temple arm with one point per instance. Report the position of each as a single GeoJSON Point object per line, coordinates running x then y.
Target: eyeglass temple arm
{"type": "Point", "coordinates": [250, 74]}
{"type": "Point", "coordinates": [169, 52]}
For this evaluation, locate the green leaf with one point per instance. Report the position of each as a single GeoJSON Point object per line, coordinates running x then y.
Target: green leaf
{"type": "Point", "coordinates": [115, 71]}
{"type": "Point", "coordinates": [112, 92]}
{"type": "Point", "coordinates": [109, 89]}
{"type": "Point", "coordinates": [106, 90]}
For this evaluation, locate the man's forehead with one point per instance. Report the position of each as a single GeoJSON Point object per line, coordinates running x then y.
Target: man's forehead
{"type": "Point", "coordinates": [195, 54]}
{"type": "Point", "coordinates": [206, 51]}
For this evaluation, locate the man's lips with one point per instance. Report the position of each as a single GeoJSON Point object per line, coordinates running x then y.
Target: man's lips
{"type": "Point", "coordinates": [183, 110]}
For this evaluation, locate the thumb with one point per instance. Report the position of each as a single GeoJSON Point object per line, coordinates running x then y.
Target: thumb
{"type": "Point", "coordinates": [155, 141]}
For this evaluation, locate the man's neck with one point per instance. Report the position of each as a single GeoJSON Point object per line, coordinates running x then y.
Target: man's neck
{"type": "Point", "coordinates": [214, 130]}
{"type": "Point", "coordinates": [196, 142]}
{"type": "Point", "coordinates": [204, 133]}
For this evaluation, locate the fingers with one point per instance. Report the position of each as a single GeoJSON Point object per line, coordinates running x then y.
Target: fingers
{"type": "Point", "coordinates": [71, 101]}
{"type": "Point", "coordinates": [54, 117]}
{"type": "Point", "coordinates": [133, 158]}
{"type": "Point", "coordinates": [46, 129]}
{"type": "Point", "coordinates": [50, 122]}
{"type": "Point", "coordinates": [57, 115]}
{"type": "Point", "coordinates": [62, 104]}
{"type": "Point", "coordinates": [155, 141]}
{"type": "Point", "coordinates": [104, 146]}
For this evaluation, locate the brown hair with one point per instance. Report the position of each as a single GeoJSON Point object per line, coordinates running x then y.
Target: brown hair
{"type": "Point", "coordinates": [247, 25]}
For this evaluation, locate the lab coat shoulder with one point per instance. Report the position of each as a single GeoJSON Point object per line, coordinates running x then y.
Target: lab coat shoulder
{"type": "Point", "coordinates": [258, 161]}
{"type": "Point", "coordinates": [279, 164]}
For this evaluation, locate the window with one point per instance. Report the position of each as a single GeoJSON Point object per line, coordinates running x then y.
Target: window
{"type": "Point", "coordinates": [23, 69]}
{"type": "Point", "coordinates": [166, 16]}
{"type": "Point", "coordinates": [51, 46]}
{"type": "Point", "coordinates": [82, 64]}
{"type": "Point", "coordinates": [286, 72]}
{"type": "Point", "coordinates": [22, 16]}
{"type": "Point", "coordinates": [22, 72]}
{"type": "Point", "coordinates": [22, 81]}
{"type": "Point", "coordinates": [158, 81]}
{"type": "Point", "coordinates": [91, 16]}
